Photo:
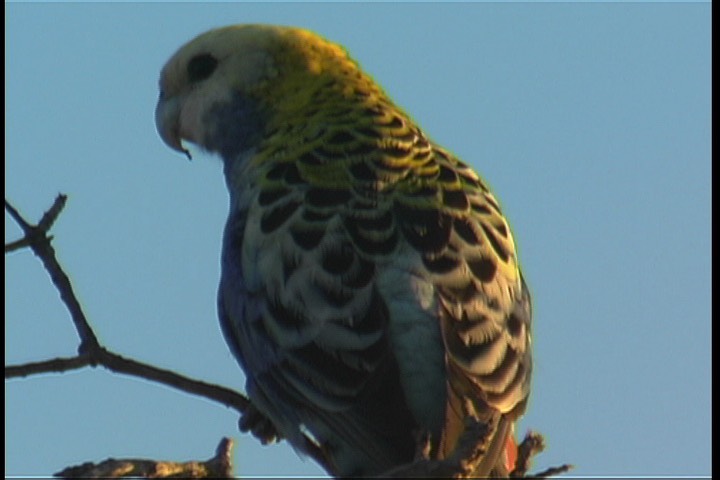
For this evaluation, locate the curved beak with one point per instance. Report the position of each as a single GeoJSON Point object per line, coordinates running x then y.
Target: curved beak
{"type": "Point", "coordinates": [167, 121]}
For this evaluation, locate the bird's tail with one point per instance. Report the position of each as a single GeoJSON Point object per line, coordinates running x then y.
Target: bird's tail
{"type": "Point", "coordinates": [500, 446]}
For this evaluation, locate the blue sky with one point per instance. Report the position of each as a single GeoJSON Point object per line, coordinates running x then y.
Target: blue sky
{"type": "Point", "coordinates": [590, 121]}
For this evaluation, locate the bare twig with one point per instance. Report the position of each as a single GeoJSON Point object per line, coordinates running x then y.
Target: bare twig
{"type": "Point", "coordinates": [56, 365]}
{"type": "Point", "coordinates": [466, 456]}
{"type": "Point", "coordinates": [533, 444]}
{"type": "Point", "coordinates": [218, 466]}
{"type": "Point", "coordinates": [553, 471]}
{"type": "Point", "coordinates": [460, 464]}
{"type": "Point", "coordinates": [38, 240]}
{"type": "Point", "coordinates": [91, 353]}
{"type": "Point", "coordinates": [118, 364]}
{"type": "Point", "coordinates": [16, 245]}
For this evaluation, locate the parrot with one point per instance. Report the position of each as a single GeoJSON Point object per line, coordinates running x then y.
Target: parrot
{"type": "Point", "coordinates": [370, 287]}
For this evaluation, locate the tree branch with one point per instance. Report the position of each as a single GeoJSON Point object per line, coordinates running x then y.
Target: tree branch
{"type": "Point", "coordinates": [219, 466]}
{"type": "Point", "coordinates": [56, 365]}
{"type": "Point", "coordinates": [532, 445]}
{"type": "Point", "coordinates": [39, 241]}
{"type": "Point", "coordinates": [460, 464]}
{"type": "Point", "coordinates": [91, 353]}
{"type": "Point", "coordinates": [468, 453]}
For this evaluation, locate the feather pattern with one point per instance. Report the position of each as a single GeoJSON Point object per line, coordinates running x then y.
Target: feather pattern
{"type": "Point", "coordinates": [370, 284]}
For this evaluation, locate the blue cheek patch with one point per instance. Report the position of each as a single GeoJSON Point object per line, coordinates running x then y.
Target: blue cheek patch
{"type": "Point", "coordinates": [239, 126]}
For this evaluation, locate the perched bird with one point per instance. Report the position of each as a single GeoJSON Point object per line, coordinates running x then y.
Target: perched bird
{"type": "Point", "coordinates": [370, 285]}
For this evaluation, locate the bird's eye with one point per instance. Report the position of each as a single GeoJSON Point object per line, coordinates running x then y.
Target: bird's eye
{"type": "Point", "coordinates": [201, 67]}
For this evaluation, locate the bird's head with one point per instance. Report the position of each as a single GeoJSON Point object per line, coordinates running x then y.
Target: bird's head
{"type": "Point", "coordinates": [225, 89]}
